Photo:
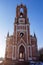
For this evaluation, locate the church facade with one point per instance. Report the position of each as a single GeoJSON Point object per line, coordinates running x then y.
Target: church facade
{"type": "Point", "coordinates": [21, 46]}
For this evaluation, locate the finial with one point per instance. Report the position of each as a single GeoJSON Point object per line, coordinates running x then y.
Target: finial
{"type": "Point", "coordinates": [8, 34]}
{"type": "Point", "coordinates": [34, 35]}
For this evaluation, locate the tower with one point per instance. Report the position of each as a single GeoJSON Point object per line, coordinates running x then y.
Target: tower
{"type": "Point", "coordinates": [21, 46]}
{"type": "Point", "coordinates": [22, 29]}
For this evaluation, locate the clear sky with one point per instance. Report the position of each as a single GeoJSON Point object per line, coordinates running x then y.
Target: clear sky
{"type": "Point", "coordinates": [8, 13]}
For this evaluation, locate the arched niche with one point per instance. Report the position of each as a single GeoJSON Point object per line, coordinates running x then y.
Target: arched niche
{"type": "Point", "coordinates": [21, 52]}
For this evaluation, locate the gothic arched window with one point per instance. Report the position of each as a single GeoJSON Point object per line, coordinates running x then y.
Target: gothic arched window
{"type": "Point", "coordinates": [21, 10]}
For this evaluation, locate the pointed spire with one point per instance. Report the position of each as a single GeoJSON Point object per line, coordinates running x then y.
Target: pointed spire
{"type": "Point", "coordinates": [8, 34]}
{"type": "Point", "coordinates": [34, 35]}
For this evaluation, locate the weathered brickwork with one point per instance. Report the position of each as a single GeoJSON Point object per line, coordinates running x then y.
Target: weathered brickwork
{"type": "Point", "coordinates": [21, 45]}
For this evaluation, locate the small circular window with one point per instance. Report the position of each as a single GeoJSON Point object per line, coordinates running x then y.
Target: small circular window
{"type": "Point", "coordinates": [21, 34]}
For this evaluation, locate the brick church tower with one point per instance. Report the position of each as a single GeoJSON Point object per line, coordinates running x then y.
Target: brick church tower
{"type": "Point", "coordinates": [21, 46]}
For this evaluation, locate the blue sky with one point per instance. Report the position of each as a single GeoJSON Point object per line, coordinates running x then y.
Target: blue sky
{"type": "Point", "coordinates": [7, 16]}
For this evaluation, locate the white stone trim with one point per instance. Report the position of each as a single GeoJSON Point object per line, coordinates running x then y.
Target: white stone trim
{"type": "Point", "coordinates": [23, 46]}
{"type": "Point", "coordinates": [16, 32]}
{"type": "Point", "coordinates": [27, 34]}
{"type": "Point", "coordinates": [30, 45]}
{"type": "Point", "coordinates": [30, 51]}
{"type": "Point", "coordinates": [13, 58]}
{"type": "Point", "coordinates": [23, 25]}
{"type": "Point", "coordinates": [21, 59]}
{"type": "Point", "coordinates": [21, 40]}
{"type": "Point", "coordinates": [21, 30]}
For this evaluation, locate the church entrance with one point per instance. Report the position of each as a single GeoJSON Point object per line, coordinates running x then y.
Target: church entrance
{"type": "Point", "coordinates": [22, 53]}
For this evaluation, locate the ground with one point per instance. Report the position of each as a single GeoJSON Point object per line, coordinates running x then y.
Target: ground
{"type": "Point", "coordinates": [24, 63]}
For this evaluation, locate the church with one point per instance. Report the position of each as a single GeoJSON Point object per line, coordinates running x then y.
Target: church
{"type": "Point", "coordinates": [21, 46]}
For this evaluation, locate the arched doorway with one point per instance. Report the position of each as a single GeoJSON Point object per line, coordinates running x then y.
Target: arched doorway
{"type": "Point", "coordinates": [22, 52]}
